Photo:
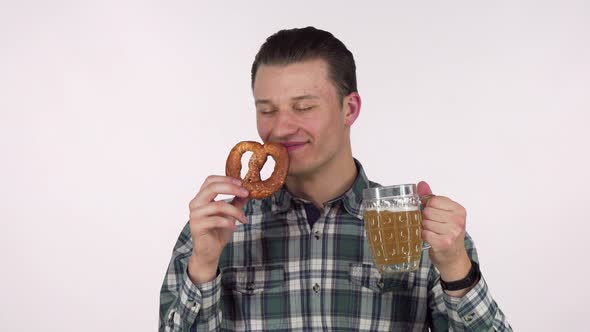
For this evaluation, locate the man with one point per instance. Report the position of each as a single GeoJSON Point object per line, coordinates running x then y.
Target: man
{"type": "Point", "coordinates": [299, 260]}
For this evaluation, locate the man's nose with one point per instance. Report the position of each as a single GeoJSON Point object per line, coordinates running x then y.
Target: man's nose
{"type": "Point", "coordinates": [285, 124]}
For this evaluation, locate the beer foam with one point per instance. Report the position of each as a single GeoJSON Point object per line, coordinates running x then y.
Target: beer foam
{"type": "Point", "coordinates": [394, 209]}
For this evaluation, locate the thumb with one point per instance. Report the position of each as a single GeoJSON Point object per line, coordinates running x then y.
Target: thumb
{"type": "Point", "coordinates": [424, 189]}
{"type": "Point", "coordinates": [425, 194]}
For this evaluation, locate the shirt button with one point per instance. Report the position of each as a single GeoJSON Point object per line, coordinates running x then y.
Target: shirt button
{"type": "Point", "coordinates": [316, 288]}
{"type": "Point", "coordinates": [380, 284]}
{"type": "Point", "coordinates": [469, 317]}
{"type": "Point", "coordinates": [317, 234]}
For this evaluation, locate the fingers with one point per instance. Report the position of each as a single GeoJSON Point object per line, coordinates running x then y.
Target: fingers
{"type": "Point", "coordinates": [219, 178]}
{"type": "Point", "coordinates": [217, 186]}
{"type": "Point", "coordinates": [445, 203]}
{"type": "Point", "coordinates": [443, 229]}
{"type": "Point", "coordinates": [219, 208]}
{"type": "Point", "coordinates": [442, 221]}
{"type": "Point", "coordinates": [441, 242]}
{"type": "Point", "coordinates": [205, 213]}
{"type": "Point", "coordinates": [205, 225]}
{"type": "Point", "coordinates": [239, 202]}
{"type": "Point", "coordinates": [444, 216]}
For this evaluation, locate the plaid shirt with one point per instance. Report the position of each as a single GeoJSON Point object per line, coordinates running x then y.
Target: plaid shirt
{"type": "Point", "coordinates": [279, 274]}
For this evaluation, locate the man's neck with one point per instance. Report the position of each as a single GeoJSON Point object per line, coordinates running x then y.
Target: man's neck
{"type": "Point", "coordinates": [325, 185]}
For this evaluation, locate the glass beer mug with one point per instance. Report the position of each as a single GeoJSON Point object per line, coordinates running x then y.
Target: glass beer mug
{"type": "Point", "coordinates": [393, 224]}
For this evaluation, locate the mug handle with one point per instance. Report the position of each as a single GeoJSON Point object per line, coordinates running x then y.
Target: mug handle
{"type": "Point", "coordinates": [423, 201]}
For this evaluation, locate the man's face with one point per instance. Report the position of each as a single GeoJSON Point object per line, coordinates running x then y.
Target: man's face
{"type": "Point", "coordinates": [298, 106]}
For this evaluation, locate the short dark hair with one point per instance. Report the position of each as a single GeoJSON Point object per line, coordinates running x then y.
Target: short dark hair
{"type": "Point", "coordinates": [301, 44]}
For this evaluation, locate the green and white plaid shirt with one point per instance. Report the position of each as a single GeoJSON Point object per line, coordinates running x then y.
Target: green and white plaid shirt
{"type": "Point", "coordinates": [279, 274]}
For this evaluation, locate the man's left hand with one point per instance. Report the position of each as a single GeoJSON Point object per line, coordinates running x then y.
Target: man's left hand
{"type": "Point", "coordinates": [443, 227]}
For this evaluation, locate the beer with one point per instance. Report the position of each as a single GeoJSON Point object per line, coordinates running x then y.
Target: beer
{"type": "Point", "coordinates": [394, 236]}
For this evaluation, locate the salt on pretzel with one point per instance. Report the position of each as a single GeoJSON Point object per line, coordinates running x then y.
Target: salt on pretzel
{"type": "Point", "coordinates": [257, 188]}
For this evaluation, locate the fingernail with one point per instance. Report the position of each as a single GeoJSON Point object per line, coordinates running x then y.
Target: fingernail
{"type": "Point", "coordinates": [236, 181]}
{"type": "Point", "coordinates": [244, 191]}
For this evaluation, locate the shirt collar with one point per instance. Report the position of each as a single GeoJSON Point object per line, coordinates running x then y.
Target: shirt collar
{"type": "Point", "coordinates": [351, 199]}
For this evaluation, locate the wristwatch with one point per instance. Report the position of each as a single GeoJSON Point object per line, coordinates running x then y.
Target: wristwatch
{"type": "Point", "coordinates": [470, 280]}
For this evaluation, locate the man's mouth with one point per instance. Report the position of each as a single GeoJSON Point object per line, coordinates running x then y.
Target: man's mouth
{"type": "Point", "coordinates": [292, 146]}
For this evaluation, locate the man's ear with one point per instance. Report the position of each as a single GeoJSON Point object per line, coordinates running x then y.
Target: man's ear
{"type": "Point", "coordinates": [352, 108]}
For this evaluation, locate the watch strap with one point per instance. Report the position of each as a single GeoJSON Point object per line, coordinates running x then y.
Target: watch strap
{"type": "Point", "coordinates": [470, 280]}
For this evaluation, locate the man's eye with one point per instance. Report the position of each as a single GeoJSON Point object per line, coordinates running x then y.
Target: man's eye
{"type": "Point", "coordinates": [266, 111]}
{"type": "Point", "coordinates": [303, 108]}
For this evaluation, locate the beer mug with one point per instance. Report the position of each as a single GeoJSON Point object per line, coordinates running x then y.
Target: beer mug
{"type": "Point", "coordinates": [393, 225]}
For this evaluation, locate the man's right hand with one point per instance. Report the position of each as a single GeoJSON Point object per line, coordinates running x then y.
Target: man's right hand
{"type": "Point", "coordinates": [212, 224]}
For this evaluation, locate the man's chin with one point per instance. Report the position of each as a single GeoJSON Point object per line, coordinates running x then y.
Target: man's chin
{"type": "Point", "coordinates": [297, 170]}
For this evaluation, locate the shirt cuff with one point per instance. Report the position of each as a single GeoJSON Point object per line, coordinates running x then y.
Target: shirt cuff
{"type": "Point", "coordinates": [202, 300]}
{"type": "Point", "coordinates": [475, 310]}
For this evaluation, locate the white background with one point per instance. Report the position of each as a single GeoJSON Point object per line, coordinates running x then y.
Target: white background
{"type": "Point", "coordinates": [114, 112]}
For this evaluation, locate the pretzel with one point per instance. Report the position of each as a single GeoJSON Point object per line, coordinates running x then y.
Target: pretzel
{"type": "Point", "coordinates": [257, 188]}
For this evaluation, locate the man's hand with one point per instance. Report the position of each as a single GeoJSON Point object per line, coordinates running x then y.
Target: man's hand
{"type": "Point", "coordinates": [212, 224]}
{"type": "Point", "coordinates": [443, 227]}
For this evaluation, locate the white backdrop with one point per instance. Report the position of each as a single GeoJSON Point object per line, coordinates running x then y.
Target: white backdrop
{"type": "Point", "coordinates": [114, 112]}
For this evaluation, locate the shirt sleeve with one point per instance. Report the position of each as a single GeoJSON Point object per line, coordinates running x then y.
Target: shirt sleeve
{"type": "Point", "coordinates": [475, 311]}
{"type": "Point", "coordinates": [185, 306]}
